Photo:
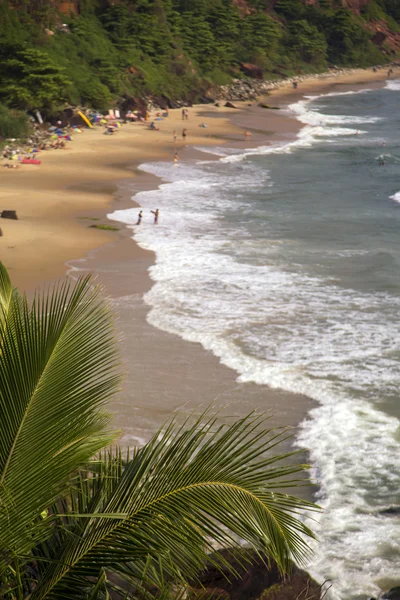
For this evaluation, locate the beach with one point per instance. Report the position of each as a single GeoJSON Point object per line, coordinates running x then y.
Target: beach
{"type": "Point", "coordinates": [72, 189]}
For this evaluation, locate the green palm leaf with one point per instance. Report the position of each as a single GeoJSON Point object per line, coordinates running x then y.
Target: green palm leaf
{"type": "Point", "coordinates": [188, 489]}
{"type": "Point", "coordinates": [57, 369]}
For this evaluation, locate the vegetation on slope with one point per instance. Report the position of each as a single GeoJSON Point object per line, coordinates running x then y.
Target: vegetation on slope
{"type": "Point", "coordinates": [172, 48]}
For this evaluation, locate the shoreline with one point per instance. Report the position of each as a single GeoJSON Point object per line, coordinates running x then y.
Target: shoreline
{"type": "Point", "coordinates": [166, 373]}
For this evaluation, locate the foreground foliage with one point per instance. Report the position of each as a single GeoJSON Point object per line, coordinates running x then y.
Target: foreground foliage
{"type": "Point", "coordinates": [138, 523]}
{"type": "Point", "coordinates": [172, 48]}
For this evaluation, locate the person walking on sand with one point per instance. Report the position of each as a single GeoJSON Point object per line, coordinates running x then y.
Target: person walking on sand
{"type": "Point", "coordinates": [155, 213]}
{"type": "Point", "coordinates": [184, 133]}
{"type": "Point", "coordinates": [140, 217]}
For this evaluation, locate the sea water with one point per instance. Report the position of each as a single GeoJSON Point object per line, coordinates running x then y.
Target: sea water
{"type": "Point", "coordinates": [284, 261]}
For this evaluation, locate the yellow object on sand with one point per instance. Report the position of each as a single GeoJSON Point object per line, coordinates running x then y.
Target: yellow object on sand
{"type": "Point", "coordinates": [84, 117]}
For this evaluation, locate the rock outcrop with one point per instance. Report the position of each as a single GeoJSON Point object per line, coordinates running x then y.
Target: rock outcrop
{"type": "Point", "coordinates": [257, 581]}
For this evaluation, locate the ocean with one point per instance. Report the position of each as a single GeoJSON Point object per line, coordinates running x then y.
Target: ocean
{"type": "Point", "coordinates": [284, 261]}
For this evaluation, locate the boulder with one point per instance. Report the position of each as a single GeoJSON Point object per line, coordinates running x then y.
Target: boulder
{"type": "Point", "coordinates": [268, 106]}
{"type": "Point", "coordinates": [392, 594]}
{"type": "Point", "coordinates": [251, 70]}
{"type": "Point", "coordinates": [257, 581]}
{"type": "Point", "coordinates": [229, 105]}
{"type": "Point", "coordinates": [378, 38]}
{"type": "Point", "coordinates": [9, 214]}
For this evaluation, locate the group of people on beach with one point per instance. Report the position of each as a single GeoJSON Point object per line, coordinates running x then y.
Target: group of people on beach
{"type": "Point", "coordinates": [140, 216]}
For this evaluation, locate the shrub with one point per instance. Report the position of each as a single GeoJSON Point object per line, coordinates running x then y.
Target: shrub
{"type": "Point", "coordinates": [13, 123]}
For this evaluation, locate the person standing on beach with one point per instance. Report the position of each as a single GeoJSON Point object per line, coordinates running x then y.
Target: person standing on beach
{"type": "Point", "coordinates": [155, 213]}
{"type": "Point", "coordinates": [183, 114]}
{"type": "Point", "coordinates": [186, 114]}
{"type": "Point", "coordinates": [175, 136]}
{"type": "Point", "coordinates": [140, 217]}
{"type": "Point", "coordinates": [184, 133]}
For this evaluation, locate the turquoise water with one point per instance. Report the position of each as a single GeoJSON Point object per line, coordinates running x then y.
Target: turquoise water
{"type": "Point", "coordinates": [284, 261]}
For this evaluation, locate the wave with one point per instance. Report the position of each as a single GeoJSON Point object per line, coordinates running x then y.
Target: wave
{"type": "Point", "coordinates": [393, 85]}
{"type": "Point", "coordinates": [311, 116]}
{"type": "Point", "coordinates": [395, 197]}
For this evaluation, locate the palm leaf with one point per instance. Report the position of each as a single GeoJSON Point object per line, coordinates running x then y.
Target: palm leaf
{"type": "Point", "coordinates": [5, 295]}
{"type": "Point", "coordinates": [57, 369]}
{"type": "Point", "coordinates": [188, 489]}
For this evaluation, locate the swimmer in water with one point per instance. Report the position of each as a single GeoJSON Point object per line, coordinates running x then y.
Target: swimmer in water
{"type": "Point", "coordinates": [155, 213]}
{"type": "Point", "coordinates": [176, 157]}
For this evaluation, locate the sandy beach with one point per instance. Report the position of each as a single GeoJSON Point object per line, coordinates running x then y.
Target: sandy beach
{"type": "Point", "coordinates": [72, 189]}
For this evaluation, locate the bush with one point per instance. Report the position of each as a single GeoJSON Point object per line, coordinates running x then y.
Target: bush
{"type": "Point", "coordinates": [13, 123]}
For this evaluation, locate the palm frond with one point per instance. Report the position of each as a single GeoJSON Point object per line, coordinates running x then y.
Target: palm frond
{"type": "Point", "coordinates": [186, 490]}
{"type": "Point", "coordinates": [5, 295]}
{"type": "Point", "coordinates": [58, 367]}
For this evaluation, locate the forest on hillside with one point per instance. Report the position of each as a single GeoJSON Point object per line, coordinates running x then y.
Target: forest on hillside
{"type": "Point", "coordinates": [173, 49]}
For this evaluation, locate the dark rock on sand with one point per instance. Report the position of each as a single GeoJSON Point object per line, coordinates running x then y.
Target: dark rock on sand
{"type": "Point", "coordinates": [229, 105]}
{"type": "Point", "coordinates": [257, 581]}
{"type": "Point", "coordinates": [268, 106]}
{"type": "Point", "coordinates": [392, 594]}
{"type": "Point", "coordinates": [9, 214]}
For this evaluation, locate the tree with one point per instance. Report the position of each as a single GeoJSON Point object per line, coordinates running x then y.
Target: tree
{"type": "Point", "coordinates": [31, 80]}
{"type": "Point", "coordinates": [135, 523]}
{"type": "Point", "coordinates": [309, 44]}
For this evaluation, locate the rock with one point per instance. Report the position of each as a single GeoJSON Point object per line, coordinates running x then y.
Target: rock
{"type": "Point", "coordinates": [251, 70]}
{"type": "Point", "coordinates": [392, 510]}
{"type": "Point", "coordinates": [378, 38]}
{"type": "Point", "coordinates": [257, 581]}
{"type": "Point", "coordinates": [229, 105]}
{"type": "Point", "coordinates": [217, 104]}
{"type": "Point", "coordinates": [9, 214]}
{"type": "Point", "coordinates": [269, 106]}
{"type": "Point", "coordinates": [392, 594]}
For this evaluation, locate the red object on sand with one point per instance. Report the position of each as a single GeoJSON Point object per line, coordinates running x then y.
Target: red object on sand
{"type": "Point", "coordinates": [31, 161]}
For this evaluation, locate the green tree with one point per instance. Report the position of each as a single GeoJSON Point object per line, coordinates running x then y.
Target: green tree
{"type": "Point", "coordinates": [308, 43]}
{"type": "Point", "coordinates": [137, 525]}
{"type": "Point", "coordinates": [31, 80]}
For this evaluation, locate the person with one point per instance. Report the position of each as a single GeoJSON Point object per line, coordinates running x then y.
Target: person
{"type": "Point", "coordinates": [155, 213]}
{"type": "Point", "coordinates": [247, 134]}
{"type": "Point", "coordinates": [176, 157]}
{"type": "Point", "coordinates": [183, 114]}
{"type": "Point", "coordinates": [140, 217]}
{"type": "Point", "coordinates": [186, 113]}
{"type": "Point", "coordinates": [175, 136]}
{"type": "Point", "coordinates": [184, 133]}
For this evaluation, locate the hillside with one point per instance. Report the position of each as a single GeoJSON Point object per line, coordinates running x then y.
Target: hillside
{"type": "Point", "coordinates": [105, 52]}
